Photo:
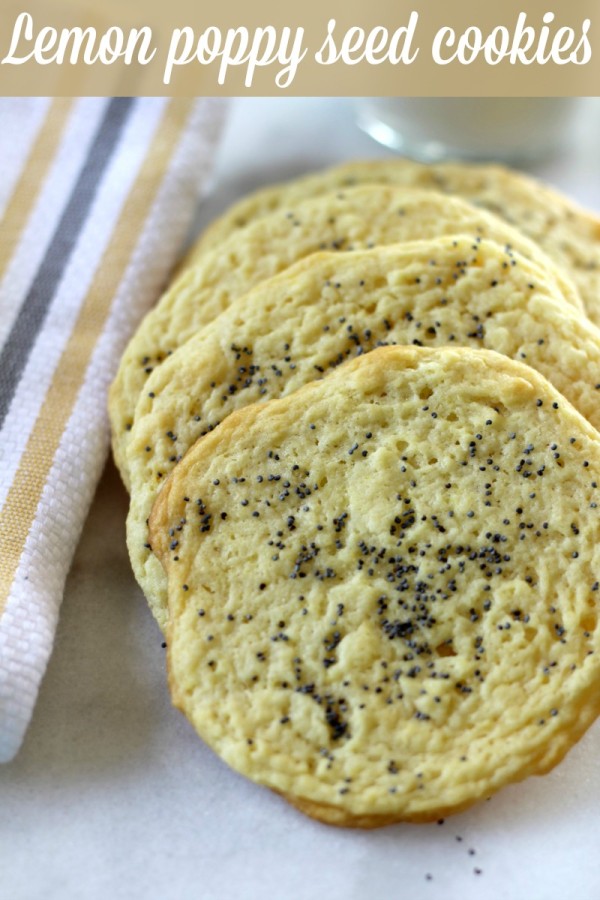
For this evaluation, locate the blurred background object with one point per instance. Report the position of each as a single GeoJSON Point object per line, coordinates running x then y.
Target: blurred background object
{"type": "Point", "coordinates": [507, 129]}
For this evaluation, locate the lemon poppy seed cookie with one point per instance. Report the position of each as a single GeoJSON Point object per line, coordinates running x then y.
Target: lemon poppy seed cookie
{"type": "Point", "coordinates": [569, 234]}
{"type": "Point", "coordinates": [329, 308]}
{"type": "Point", "coordinates": [357, 218]}
{"type": "Point", "coordinates": [373, 610]}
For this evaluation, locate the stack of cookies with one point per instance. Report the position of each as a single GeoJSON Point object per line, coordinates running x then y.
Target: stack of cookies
{"type": "Point", "coordinates": [359, 434]}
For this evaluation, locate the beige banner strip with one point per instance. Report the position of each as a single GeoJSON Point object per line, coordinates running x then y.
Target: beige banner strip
{"type": "Point", "coordinates": [352, 48]}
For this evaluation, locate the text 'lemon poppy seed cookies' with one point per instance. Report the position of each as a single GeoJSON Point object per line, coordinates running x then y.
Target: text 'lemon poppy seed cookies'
{"type": "Point", "coordinates": [330, 308]}
{"type": "Point", "coordinates": [357, 218]}
{"type": "Point", "coordinates": [383, 587]}
{"type": "Point", "coordinates": [569, 234]}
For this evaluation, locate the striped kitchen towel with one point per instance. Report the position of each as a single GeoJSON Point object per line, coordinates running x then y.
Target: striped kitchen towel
{"type": "Point", "coordinates": [96, 198]}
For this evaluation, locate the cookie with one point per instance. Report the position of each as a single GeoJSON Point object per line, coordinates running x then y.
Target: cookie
{"type": "Point", "coordinates": [329, 308]}
{"type": "Point", "coordinates": [356, 218]}
{"type": "Point", "coordinates": [383, 587]}
{"type": "Point", "coordinates": [569, 234]}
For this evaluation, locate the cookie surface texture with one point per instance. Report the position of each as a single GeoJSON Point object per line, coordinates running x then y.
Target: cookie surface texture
{"type": "Point", "coordinates": [356, 218]}
{"type": "Point", "coordinates": [374, 611]}
{"type": "Point", "coordinates": [330, 308]}
{"type": "Point", "coordinates": [569, 234]}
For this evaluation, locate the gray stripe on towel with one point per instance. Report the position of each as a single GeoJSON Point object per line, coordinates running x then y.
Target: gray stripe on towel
{"type": "Point", "coordinates": [32, 315]}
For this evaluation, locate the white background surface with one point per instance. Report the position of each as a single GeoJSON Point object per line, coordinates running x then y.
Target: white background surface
{"type": "Point", "coordinates": [113, 795]}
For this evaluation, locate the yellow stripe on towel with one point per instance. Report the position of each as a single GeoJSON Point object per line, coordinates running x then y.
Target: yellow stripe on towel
{"type": "Point", "coordinates": [32, 177]}
{"type": "Point", "coordinates": [18, 514]}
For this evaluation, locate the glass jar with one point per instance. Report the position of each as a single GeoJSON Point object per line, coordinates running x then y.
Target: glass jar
{"type": "Point", "coordinates": [507, 129]}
